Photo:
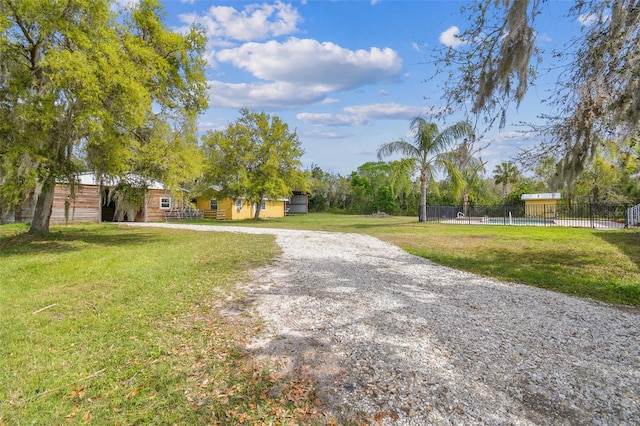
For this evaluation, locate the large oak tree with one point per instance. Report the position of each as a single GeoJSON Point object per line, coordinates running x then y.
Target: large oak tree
{"type": "Point", "coordinates": [254, 158]}
{"type": "Point", "coordinates": [598, 91]}
{"type": "Point", "coordinates": [84, 88]}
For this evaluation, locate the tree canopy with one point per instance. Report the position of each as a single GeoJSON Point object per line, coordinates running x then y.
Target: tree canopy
{"type": "Point", "coordinates": [468, 168]}
{"type": "Point", "coordinates": [597, 96]}
{"type": "Point", "coordinates": [83, 88]}
{"type": "Point", "coordinates": [255, 157]}
{"type": "Point", "coordinates": [427, 152]}
{"type": "Point", "coordinates": [504, 174]}
{"type": "Point", "coordinates": [383, 187]}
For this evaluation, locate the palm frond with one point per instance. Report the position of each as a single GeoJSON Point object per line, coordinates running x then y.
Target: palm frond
{"type": "Point", "coordinates": [459, 130]}
{"type": "Point", "coordinates": [401, 147]}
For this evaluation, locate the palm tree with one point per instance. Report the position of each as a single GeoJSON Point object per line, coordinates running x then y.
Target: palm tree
{"type": "Point", "coordinates": [470, 168]}
{"type": "Point", "coordinates": [504, 174]}
{"type": "Point", "coordinates": [426, 151]}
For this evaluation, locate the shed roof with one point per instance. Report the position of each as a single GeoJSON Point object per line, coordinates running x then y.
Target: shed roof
{"type": "Point", "coordinates": [543, 196]}
{"type": "Point", "coordinates": [92, 179]}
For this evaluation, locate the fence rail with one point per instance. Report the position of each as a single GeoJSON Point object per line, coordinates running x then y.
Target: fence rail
{"type": "Point", "coordinates": [633, 216]}
{"type": "Point", "coordinates": [577, 215]}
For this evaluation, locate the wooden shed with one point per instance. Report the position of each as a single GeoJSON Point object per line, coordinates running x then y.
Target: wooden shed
{"type": "Point", "coordinates": [543, 205]}
{"type": "Point", "coordinates": [91, 202]}
{"type": "Point", "coordinates": [298, 203]}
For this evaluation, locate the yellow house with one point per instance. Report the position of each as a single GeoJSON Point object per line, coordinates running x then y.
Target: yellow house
{"type": "Point", "coordinates": [541, 205]}
{"type": "Point", "coordinates": [239, 209]}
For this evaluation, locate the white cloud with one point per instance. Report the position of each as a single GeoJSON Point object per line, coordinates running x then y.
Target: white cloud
{"type": "Point", "coordinates": [329, 101]}
{"type": "Point", "coordinates": [319, 134]}
{"type": "Point", "coordinates": [392, 111]}
{"type": "Point", "coordinates": [329, 119]}
{"type": "Point", "coordinates": [203, 126]}
{"type": "Point", "coordinates": [586, 20]}
{"type": "Point", "coordinates": [286, 74]}
{"type": "Point", "coordinates": [187, 1]}
{"type": "Point", "coordinates": [543, 37]}
{"type": "Point", "coordinates": [254, 22]}
{"type": "Point", "coordinates": [280, 95]}
{"type": "Point", "coordinates": [295, 72]}
{"type": "Point", "coordinates": [307, 61]}
{"type": "Point", "coordinates": [451, 37]}
{"type": "Point", "coordinates": [363, 114]}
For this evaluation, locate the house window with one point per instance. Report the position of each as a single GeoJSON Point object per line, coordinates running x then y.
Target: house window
{"type": "Point", "coordinates": [263, 206]}
{"type": "Point", "coordinates": [213, 204]}
{"type": "Point", "coordinates": [165, 203]}
{"type": "Point", "coordinates": [239, 204]}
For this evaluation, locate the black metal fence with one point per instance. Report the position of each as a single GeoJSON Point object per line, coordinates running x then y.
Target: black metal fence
{"type": "Point", "coordinates": [577, 215]}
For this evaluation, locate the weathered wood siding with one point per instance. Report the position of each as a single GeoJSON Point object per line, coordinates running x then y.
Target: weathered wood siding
{"type": "Point", "coordinates": [155, 213]}
{"type": "Point", "coordinates": [84, 207]}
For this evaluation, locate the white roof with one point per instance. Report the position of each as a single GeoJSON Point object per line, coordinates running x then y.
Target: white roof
{"type": "Point", "coordinates": [543, 196]}
{"type": "Point", "coordinates": [92, 179]}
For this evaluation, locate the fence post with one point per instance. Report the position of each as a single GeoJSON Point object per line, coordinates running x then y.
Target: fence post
{"type": "Point", "coordinates": [591, 216]}
{"type": "Point", "coordinates": [627, 214]}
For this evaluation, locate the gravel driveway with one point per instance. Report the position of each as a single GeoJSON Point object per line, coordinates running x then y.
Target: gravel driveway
{"type": "Point", "coordinates": [396, 338]}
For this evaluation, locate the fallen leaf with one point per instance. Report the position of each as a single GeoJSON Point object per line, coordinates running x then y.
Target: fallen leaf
{"type": "Point", "coordinates": [79, 393]}
{"type": "Point", "coordinates": [379, 416]}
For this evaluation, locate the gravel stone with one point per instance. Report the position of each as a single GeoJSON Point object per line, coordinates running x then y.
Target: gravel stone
{"type": "Point", "coordinates": [396, 338]}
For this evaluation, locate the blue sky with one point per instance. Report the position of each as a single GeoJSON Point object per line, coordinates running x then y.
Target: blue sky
{"type": "Point", "coordinates": [346, 75]}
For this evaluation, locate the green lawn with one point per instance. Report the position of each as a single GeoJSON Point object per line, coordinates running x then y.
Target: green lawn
{"type": "Point", "coordinates": [121, 326]}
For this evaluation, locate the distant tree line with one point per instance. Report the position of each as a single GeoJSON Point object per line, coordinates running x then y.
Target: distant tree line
{"type": "Point", "coordinates": [613, 177]}
{"type": "Point", "coordinates": [69, 105]}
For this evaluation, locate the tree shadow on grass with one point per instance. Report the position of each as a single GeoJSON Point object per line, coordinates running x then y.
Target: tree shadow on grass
{"type": "Point", "coordinates": [558, 270]}
{"type": "Point", "coordinates": [628, 242]}
{"type": "Point", "coordinates": [61, 241]}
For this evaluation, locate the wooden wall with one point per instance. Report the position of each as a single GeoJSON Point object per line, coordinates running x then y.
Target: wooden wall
{"type": "Point", "coordinates": [154, 212]}
{"type": "Point", "coordinates": [86, 205]}
{"type": "Point", "coordinates": [84, 208]}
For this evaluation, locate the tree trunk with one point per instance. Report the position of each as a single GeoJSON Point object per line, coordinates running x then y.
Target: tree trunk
{"type": "Point", "coordinates": [256, 214]}
{"type": "Point", "coordinates": [422, 217]}
{"type": "Point", "coordinates": [42, 213]}
{"type": "Point", "coordinates": [465, 202]}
